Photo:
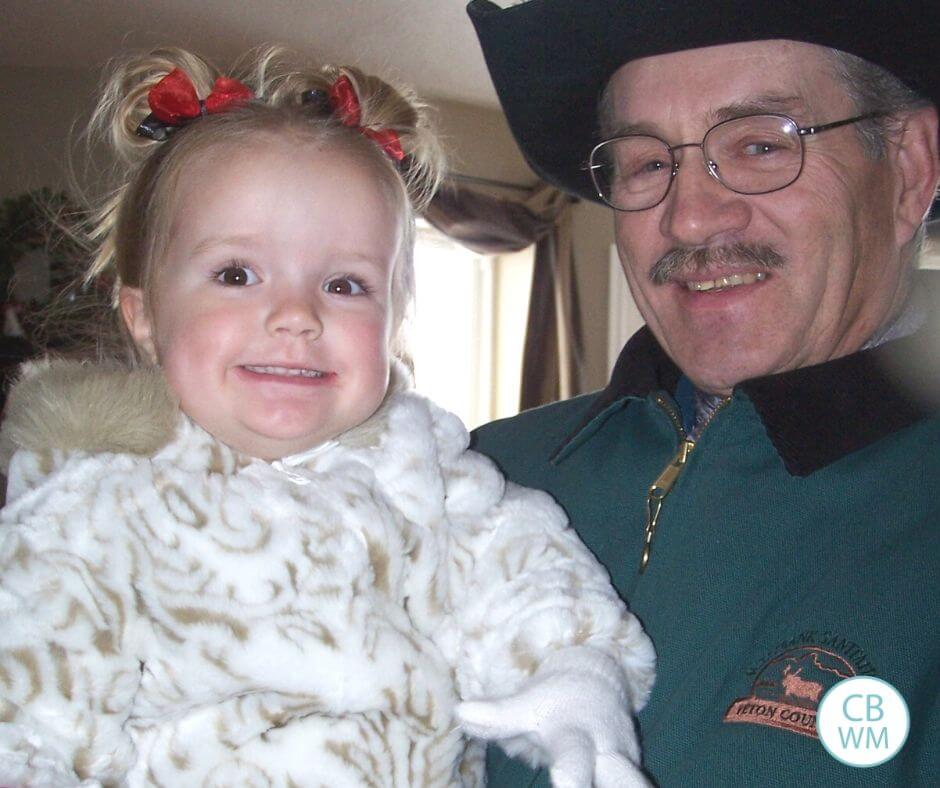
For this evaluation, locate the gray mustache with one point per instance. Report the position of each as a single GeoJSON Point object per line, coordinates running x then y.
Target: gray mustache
{"type": "Point", "coordinates": [701, 258]}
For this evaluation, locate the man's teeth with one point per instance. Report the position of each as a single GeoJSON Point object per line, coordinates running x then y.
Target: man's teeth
{"type": "Point", "coordinates": [724, 282]}
{"type": "Point", "coordinates": [286, 372]}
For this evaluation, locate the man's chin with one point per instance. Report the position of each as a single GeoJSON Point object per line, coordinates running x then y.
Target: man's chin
{"type": "Point", "coordinates": [720, 375]}
{"type": "Point", "coordinates": [717, 355]}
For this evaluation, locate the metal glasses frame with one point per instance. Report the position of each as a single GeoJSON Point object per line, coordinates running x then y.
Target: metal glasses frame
{"type": "Point", "coordinates": [711, 167]}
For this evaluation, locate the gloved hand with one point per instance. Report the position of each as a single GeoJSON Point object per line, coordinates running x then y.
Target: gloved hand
{"type": "Point", "coordinates": [574, 714]}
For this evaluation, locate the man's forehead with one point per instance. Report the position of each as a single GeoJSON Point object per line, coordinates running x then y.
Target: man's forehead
{"type": "Point", "coordinates": [715, 83]}
{"type": "Point", "coordinates": [796, 107]}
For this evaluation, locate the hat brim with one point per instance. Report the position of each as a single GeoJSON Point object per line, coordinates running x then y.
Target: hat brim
{"type": "Point", "coordinates": [550, 59]}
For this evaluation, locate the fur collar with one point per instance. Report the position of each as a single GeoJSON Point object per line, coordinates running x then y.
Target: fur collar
{"type": "Point", "coordinates": [78, 406]}
{"type": "Point", "coordinates": [97, 408]}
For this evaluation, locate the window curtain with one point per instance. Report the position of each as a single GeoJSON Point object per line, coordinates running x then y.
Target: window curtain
{"type": "Point", "coordinates": [552, 359]}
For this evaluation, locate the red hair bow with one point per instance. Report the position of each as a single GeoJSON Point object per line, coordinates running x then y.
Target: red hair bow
{"type": "Point", "coordinates": [345, 104]}
{"type": "Point", "coordinates": [173, 99]}
{"type": "Point", "coordinates": [173, 102]}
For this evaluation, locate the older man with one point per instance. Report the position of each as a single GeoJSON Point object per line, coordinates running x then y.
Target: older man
{"type": "Point", "coordinates": [762, 474]}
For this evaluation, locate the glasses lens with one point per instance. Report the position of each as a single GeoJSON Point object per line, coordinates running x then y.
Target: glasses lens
{"type": "Point", "coordinates": [755, 154]}
{"type": "Point", "coordinates": [631, 173]}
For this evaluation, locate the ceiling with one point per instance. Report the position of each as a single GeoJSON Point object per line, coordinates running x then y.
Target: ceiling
{"type": "Point", "coordinates": [427, 43]}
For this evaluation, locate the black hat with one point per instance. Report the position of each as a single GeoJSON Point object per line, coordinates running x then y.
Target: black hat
{"type": "Point", "coordinates": [550, 59]}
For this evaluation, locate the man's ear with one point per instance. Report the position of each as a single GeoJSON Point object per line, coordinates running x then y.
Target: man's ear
{"type": "Point", "coordinates": [917, 160]}
{"type": "Point", "coordinates": [134, 312]}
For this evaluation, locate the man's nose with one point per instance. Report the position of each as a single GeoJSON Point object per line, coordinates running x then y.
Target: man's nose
{"type": "Point", "coordinates": [698, 209]}
{"type": "Point", "coordinates": [296, 314]}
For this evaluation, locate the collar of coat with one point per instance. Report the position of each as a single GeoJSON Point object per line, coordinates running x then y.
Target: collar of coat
{"type": "Point", "coordinates": [65, 406]}
{"type": "Point", "coordinates": [814, 416]}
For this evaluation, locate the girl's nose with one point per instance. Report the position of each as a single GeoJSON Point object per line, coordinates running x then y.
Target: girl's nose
{"type": "Point", "coordinates": [295, 316]}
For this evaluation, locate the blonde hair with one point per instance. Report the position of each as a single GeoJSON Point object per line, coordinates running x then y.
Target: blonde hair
{"type": "Point", "coordinates": [128, 232]}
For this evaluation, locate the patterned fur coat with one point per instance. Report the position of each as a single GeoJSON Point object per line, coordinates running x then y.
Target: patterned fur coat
{"type": "Point", "coordinates": [173, 613]}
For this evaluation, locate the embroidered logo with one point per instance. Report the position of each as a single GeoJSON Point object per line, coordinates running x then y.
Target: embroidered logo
{"type": "Point", "coordinates": [787, 688]}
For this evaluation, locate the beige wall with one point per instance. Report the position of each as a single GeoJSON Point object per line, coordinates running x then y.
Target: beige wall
{"type": "Point", "coordinates": [478, 142]}
{"type": "Point", "coordinates": [39, 107]}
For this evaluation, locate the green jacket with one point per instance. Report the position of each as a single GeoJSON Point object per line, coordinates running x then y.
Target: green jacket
{"type": "Point", "coordinates": [799, 543]}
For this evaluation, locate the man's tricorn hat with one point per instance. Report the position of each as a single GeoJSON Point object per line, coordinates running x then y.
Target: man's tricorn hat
{"type": "Point", "coordinates": [550, 59]}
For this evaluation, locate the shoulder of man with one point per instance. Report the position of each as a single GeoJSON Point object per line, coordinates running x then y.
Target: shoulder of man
{"type": "Point", "coordinates": [534, 433]}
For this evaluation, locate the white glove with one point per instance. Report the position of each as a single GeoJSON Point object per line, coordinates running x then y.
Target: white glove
{"type": "Point", "coordinates": [574, 713]}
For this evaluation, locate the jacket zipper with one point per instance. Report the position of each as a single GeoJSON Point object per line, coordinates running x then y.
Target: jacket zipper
{"type": "Point", "coordinates": [664, 483]}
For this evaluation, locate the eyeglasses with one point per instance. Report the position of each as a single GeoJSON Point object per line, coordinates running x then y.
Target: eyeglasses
{"type": "Point", "coordinates": [753, 154]}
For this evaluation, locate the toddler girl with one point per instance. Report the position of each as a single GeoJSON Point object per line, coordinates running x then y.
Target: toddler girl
{"type": "Point", "coordinates": [256, 558]}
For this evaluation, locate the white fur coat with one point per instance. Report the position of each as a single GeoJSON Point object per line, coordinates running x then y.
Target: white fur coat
{"type": "Point", "coordinates": [173, 613]}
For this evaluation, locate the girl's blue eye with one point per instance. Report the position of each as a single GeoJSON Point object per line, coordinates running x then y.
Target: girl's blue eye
{"type": "Point", "coordinates": [237, 276]}
{"type": "Point", "coordinates": [345, 286]}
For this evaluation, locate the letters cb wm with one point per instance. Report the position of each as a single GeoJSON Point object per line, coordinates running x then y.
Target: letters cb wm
{"type": "Point", "coordinates": [863, 721]}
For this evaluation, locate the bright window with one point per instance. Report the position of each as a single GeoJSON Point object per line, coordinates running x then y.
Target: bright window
{"type": "Point", "coordinates": [467, 335]}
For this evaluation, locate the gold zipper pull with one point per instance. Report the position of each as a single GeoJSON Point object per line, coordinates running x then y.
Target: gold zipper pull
{"type": "Point", "coordinates": [659, 489]}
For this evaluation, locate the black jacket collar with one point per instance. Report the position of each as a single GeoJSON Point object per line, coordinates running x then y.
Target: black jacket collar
{"type": "Point", "coordinates": [814, 415]}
